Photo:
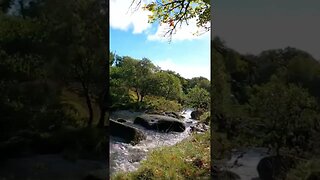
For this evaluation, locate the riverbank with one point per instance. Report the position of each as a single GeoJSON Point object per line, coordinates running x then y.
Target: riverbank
{"type": "Point", "coordinates": [189, 159]}
{"type": "Point", "coordinates": [126, 157]}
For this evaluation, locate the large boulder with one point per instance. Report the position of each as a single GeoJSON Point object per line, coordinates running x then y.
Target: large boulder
{"type": "Point", "coordinates": [160, 123]}
{"type": "Point", "coordinates": [196, 114]}
{"type": "Point", "coordinates": [274, 167]}
{"type": "Point", "coordinates": [127, 133]}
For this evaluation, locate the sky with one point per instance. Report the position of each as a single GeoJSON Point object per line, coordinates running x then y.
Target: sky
{"type": "Point", "coordinates": [132, 35]}
{"type": "Point", "coordinates": [251, 26]}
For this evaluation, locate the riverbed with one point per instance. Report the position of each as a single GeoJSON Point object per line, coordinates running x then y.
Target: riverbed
{"type": "Point", "coordinates": [126, 157]}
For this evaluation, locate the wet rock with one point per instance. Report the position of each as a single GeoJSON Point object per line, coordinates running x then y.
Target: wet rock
{"type": "Point", "coordinates": [121, 120]}
{"type": "Point", "coordinates": [128, 134]}
{"type": "Point", "coordinates": [199, 127]}
{"type": "Point", "coordinates": [196, 129]}
{"type": "Point", "coordinates": [274, 167]}
{"type": "Point", "coordinates": [196, 114]}
{"type": "Point", "coordinates": [160, 123]}
{"type": "Point", "coordinates": [174, 115]}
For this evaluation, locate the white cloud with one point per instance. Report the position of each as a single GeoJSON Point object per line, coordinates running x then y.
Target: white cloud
{"type": "Point", "coordinates": [185, 70]}
{"type": "Point", "coordinates": [123, 17]}
{"type": "Point", "coordinates": [185, 32]}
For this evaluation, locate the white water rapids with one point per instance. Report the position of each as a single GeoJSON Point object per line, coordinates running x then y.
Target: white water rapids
{"type": "Point", "coordinates": [126, 157]}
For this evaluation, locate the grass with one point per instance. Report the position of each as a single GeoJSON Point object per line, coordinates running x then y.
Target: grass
{"type": "Point", "coordinates": [205, 117]}
{"type": "Point", "coordinates": [306, 170]}
{"type": "Point", "coordinates": [189, 159]}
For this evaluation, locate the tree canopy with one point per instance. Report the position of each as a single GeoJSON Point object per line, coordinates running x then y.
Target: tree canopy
{"type": "Point", "coordinates": [176, 12]}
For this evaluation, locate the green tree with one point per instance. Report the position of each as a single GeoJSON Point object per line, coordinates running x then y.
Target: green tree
{"type": "Point", "coordinates": [176, 12]}
{"type": "Point", "coordinates": [284, 112]}
{"type": "Point", "coordinates": [136, 74]}
{"type": "Point", "coordinates": [221, 90]}
{"type": "Point", "coordinates": [198, 98]}
{"type": "Point", "coordinates": [199, 81]}
{"type": "Point", "coordinates": [166, 85]}
{"type": "Point", "coordinates": [76, 32]}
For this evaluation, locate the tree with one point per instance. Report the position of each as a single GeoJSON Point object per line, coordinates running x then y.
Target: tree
{"type": "Point", "coordinates": [199, 81]}
{"type": "Point", "coordinates": [198, 98]}
{"type": "Point", "coordinates": [221, 88]}
{"type": "Point", "coordinates": [286, 112]}
{"type": "Point", "coordinates": [76, 30]}
{"type": "Point", "coordinates": [166, 85]}
{"type": "Point", "coordinates": [176, 12]}
{"type": "Point", "coordinates": [136, 74]}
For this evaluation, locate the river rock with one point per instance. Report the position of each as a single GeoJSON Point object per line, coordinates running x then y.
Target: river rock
{"type": "Point", "coordinates": [196, 114]}
{"type": "Point", "coordinates": [174, 115]}
{"type": "Point", "coordinates": [160, 123]}
{"type": "Point", "coordinates": [274, 167]}
{"type": "Point", "coordinates": [128, 134]}
{"type": "Point", "coordinates": [121, 120]}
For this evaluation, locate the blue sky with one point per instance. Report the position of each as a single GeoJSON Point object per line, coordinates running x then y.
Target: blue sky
{"type": "Point", "coordinates": [131, 35]}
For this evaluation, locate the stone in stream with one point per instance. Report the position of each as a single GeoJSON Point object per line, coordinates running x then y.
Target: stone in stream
{"type": "Point", "coordinates": [196, 114]}
{"type": "Point", "coordinates": [128, 134]}
{"type": "Point", "coordinates": [173, 114]}
{"type": "Point", "coordinates": [121, 120]}
{"type": "Point", "coordinates": [274, 167]}
{"type": "Point", "coordinates": [160, 123]}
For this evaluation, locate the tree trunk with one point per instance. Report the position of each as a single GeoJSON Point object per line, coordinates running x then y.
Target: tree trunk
{"type": "Point", "coordinates": [89, 104]}
{"type": "Point", "coordinates": [104, 101]}
{"type": "Point", "coordinates": [102, 117]}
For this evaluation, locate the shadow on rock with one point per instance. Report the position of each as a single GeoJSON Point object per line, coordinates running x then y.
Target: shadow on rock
{"type": "Point", "coordinates": [160, 123]}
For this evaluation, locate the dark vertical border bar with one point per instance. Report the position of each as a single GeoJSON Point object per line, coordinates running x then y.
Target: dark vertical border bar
{"type": "Point", "coordinates": [107, 99]}
{"type": "Point", "coordinates": [211, 81]}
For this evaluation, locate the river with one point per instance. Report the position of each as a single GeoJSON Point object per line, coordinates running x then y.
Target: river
{"type": "Point", "coordinates": [126, 157]}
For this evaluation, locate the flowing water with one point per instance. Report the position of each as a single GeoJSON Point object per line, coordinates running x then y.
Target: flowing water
{"type": "Point", "coordinates": [247, 160]}
{"type": "Point", "coordinates": [126, 157]}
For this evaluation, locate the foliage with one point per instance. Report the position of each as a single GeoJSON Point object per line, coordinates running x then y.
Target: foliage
{"type": "Point", "coordinates": [202, 82]}
{"type": "Point", "coordinates": [306, 170]}
{"type": "Point", "coordinates": [175, 13]}
{"type": "Point", "coordinates": [205, 117]}
{"type": "Point", "coordinates": [162, 104]}
{"type": "Point", "coordinates": [135, 80]}
{"type": "Point", "coordinates": [221, 90]}
{"type": "Point", "coordinates": [166, 85]}
{"type": "Point", "coordinates": [198, 98]}
{"type": "Point", "coordinates": [283, 111]}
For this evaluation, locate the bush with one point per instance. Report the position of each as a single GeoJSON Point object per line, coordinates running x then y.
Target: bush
{"type": "Point", "coordinates": [205, 117]}
{"type": "Point", "coordinates": [161, 104]}
{"type": "Point", "coordinates": [306, 170]}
